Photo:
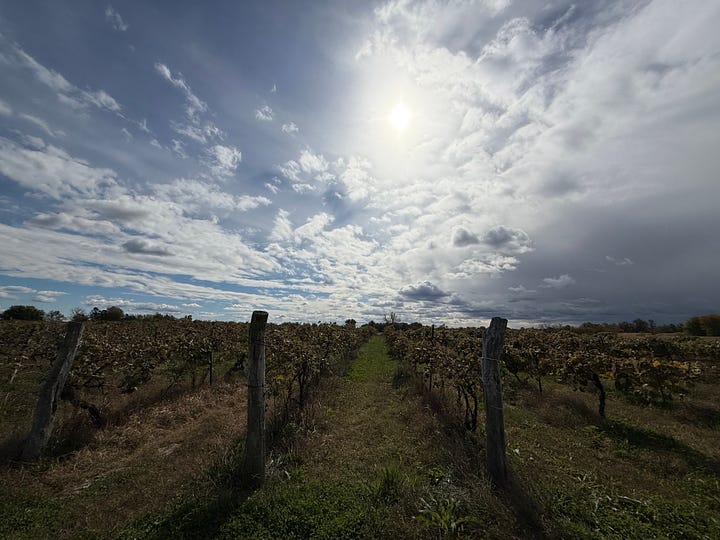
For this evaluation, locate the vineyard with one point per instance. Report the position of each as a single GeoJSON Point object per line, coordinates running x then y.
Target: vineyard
{"type": "Point", "coordinates": [608, 435]}
{"type": "Point", "coordinates": [122, 365]}
{"type": "Point", "coordinates": [649, 370]}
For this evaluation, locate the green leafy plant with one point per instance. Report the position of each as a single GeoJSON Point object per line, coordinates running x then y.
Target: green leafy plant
{"type": "Point", "coordinates": [442, 514]}
{"type": "Point", "coordinates": [390, 484]}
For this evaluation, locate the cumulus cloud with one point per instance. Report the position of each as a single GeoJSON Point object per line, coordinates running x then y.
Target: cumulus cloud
{"type": "Point", "coordinates": [290, 128]}
{"type": "Point", "coordinates": [264, 113]}
{"type": "Point", "coordinates": [309, 166]}
{"type": "Point", "coordinates": [223, 160]}
{"type": "Point", "coordinates": [461, 237]}
{"type": "Point", "coordinates": [357, 179]}
{"type": "Point", "coordinates": [508, 239]}
{"type": "Point", "coordinates": [142, 246]}
{"type": "Point", "coordinates": [422, 291]}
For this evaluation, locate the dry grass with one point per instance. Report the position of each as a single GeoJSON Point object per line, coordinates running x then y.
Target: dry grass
{"type": "Point", "coordinates": [127, 470]}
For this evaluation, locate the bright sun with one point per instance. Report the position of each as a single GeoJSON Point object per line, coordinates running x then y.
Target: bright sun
{"type": "Point", "coordinates": [400, 117]}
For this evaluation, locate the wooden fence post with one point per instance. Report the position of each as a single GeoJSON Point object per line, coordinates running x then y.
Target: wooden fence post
{"type": "Point", "coordinates": [212, 354]}
{"type": "Point", "coordinates": [50, 394]}
{"type": "Point", "coordinates": [494, 423]}
{"type": "Point", "coordinates": [253, 472]}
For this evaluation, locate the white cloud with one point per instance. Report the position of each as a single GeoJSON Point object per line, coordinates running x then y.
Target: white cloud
{"type": "Point", "coordinates": [115, 20]}
{"type": "Point", "coordinates": [51, 171]}
{"type": "Point", "coordinates": [179, 148]}
{"type": "Point", "coordinates": [290, 128]}
{"type": "Point", "coordinates": [203, 197]}
{"type": "Point", "coordinates": [224, 160]}
{"type": "Point", "coordinates": [43, 298]}
{"type": "Point", "coordinates": [358, 181]}
{"type": "Point", "coordinates": [66, 92]}
{"type": "Point", "coordinates": [10, 292]}
{"type": "Point", "coordinates": [264, 113]}
{"type": "Point", "coordinates": [39, 123]}
{"type": "Point", "coordinates": [102, 99]}
{"type": "Point", "coordinates": [196, 127]}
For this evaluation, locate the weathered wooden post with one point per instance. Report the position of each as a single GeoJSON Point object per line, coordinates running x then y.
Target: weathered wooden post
{"type": "Point", "coordinates": [253, 471]}
{"type": "Point", "coordinates": [494, 423]}
{"type": "Point", "coordinates": [50, 394]}
{"type": "Point", "coordinates": [212, 354]}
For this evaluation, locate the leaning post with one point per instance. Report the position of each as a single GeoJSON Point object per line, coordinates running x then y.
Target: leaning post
{"type": "Point", "coordinates": [493, 339]}
{"type": "Point", "coordinates": [46, 406]}
{"type": "Point", "coordinates": [253, 471]}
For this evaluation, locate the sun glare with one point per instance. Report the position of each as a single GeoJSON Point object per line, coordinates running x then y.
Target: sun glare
{"type": "Point", "coordinates": [400, 117]}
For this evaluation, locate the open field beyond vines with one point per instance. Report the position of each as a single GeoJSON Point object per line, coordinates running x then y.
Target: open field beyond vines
{"type": "Point", "coordinates": [388, 444]}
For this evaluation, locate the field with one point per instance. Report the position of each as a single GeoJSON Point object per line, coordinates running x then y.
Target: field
{"type": "Point", "coordinates": [383, 443]}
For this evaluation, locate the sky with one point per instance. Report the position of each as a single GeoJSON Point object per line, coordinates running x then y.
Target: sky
{"type": "Point", "coordinates": [449, 161]}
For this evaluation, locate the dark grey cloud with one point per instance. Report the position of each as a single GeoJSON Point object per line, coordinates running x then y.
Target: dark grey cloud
{"type": "Point", "coordinates": [502, 237]}
{"type": "Point", "coordinates": [118, 211]}
{"type": "Point", "coordinates": [139, 245]}
{"type": "Point", "coordinates": [462, 237]}
{"type": "Point", "coordinates": [422, 291]}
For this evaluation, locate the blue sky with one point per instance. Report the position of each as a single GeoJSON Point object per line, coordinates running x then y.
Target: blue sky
{"type": "Point", "coordinates": [547, 161]}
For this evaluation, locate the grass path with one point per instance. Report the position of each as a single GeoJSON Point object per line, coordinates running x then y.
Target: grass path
{"type": "Point", "coordinates": [371, 458]}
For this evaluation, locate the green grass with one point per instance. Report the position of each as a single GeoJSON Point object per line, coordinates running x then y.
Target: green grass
{"type": "Point", "coordinates": [372, 363]}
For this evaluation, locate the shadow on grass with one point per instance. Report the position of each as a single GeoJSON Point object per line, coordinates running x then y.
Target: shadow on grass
{"type": "Point", "coordinates": [528, 512]}
{"type": "Point", "coordinates": [699, 415]}
{"type": "Point", "coordinates": [203, 513]}
{"type": "Point", "coordinates": [661, 444]}
{"type": "Point", "coordinates": [201, 517]}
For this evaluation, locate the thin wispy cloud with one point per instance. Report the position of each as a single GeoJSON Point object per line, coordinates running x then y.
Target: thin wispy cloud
{"type": "Point", "coordinates": [115, 20]}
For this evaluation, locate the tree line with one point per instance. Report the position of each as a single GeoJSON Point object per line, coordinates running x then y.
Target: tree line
{"type": "Point", "coordinates": [700, 325]}
{"type": "Point", "coordinates": [113, 313]}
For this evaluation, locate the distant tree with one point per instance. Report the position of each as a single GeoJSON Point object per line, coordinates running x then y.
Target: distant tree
{"type": "Point", "coordinates": [641, 325]}
{"type": "Point", "coordinates": [392, 318]}
{"type": "Point", "coordinates": [112, 313]}
{"type": "Point", "coordinates": [78, 314]}
{"type": "Point", "coordinates": [23, 313]}
{"type": "Point", "coordinates": [694, 327]}
{"type": "Point", "coordinates": [626, 326]}
{"type": "Point", "coordinates": [54, 316]}
{"type": "Point", "coordinates": [351, 323]}
{"type": "Point", "coordinates": [711, 324]}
